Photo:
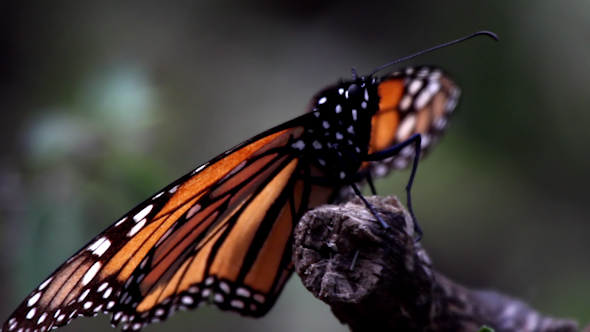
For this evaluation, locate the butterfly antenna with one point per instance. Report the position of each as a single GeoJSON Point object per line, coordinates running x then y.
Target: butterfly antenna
{"type": "Point", "coordinates": [354, 75]}
{"type": "Point", "coordinates": [479, 33]}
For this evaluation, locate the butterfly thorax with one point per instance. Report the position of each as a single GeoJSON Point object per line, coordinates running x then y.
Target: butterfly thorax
{"type": "Point", "coordinates": [337, 137]}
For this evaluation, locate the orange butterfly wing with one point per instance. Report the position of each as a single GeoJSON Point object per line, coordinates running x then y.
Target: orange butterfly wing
{"type": "Point", "coordinates": [414, 100]}
{"type": "Point", "coordinates": [172, 221]}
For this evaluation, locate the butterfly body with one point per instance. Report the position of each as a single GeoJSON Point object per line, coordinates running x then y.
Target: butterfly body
{"type": "Point", "coordinates": [337, 135]}
{"type": "Point", "coordinates": [222, 233]}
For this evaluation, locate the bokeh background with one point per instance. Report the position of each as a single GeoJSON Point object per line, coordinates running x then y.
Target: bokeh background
{"type": "Point", "coordinates": [103, 103]}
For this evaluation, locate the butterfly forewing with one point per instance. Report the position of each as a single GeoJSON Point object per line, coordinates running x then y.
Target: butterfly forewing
{"type": "Point", "coordinates": [236, 255]}
{"type": "Point", "coordinates": [91, 280]}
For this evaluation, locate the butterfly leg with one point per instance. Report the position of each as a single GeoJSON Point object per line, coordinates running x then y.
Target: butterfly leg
{"type": "Point", "coordinates": [371, 184]}
{"type": "Point", "coordinates": [415, 139]}
{"type": "Point", "coordinates": [369, 206]}
{"type": "Point", "coordinates": [350, 179]}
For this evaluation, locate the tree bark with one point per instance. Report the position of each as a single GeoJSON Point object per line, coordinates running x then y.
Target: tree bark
{"type": "Point", "coordinates": [380, 279]}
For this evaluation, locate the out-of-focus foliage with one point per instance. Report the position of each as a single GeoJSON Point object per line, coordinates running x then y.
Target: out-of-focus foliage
{"type": "Point", "coordinates": [104, 103]}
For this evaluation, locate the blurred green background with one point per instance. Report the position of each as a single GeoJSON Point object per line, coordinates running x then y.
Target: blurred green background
{"type": "Point", "coordinates": [103, 103]}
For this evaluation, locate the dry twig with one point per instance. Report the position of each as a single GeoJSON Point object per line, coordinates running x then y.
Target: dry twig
{"type": "Point", "coordinates": [381, 280]}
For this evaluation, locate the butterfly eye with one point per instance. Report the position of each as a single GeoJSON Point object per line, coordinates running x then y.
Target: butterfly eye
{"type": "Point", "coordinates": [353, 91]}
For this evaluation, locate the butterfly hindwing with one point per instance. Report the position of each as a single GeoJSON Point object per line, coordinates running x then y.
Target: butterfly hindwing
{"type": "Point", "coordinates": [415, 100]}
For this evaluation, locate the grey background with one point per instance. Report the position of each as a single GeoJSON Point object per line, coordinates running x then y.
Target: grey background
{"type": "Point", "coordinates": [103, 103]}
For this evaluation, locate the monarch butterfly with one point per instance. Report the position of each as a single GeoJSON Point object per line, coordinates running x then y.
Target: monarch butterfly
{"type": "Point", "coordinates": [221, 234]}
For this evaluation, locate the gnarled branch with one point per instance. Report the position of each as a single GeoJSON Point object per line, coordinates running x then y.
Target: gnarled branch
{"type": "Point", "coordinates": [381, 280]}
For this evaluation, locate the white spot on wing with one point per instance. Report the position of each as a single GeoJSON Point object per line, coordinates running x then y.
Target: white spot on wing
{"type": "Point", "coordinates": [406, 128]}
{"type": "Point", "coordinates": [451, 103]}
{"type": "Point", "coordinates": [120, 221]}
{"type": "Point", "coordinates": [42, 318]}
{"type": "Point", "coordinates": [31, 313]}
{"type": "Point", "coordinates": [96, 244]}
{"type": "Point", "coordinates": [435, 75]}
{"type": "Point", "coordinates": [423, 72]}
{"type": "Point", "coordinates": [366, 94]}
{"type": "Point", "coordinates": [423, 98]}
{"type": "Point", "coordinates": [259, 298]}
{"type": "Point", "coordinates": [322, 100]}
{"type": "Point", "coordinates": [339, 136]}
{"type": "Point", "coordinates": [424, 141]}
{"type": "Point", "coordinates": [173, 190]}
{"type": "Point", "coordinates": [354, 115]}
{"type": "Point", "coordinates": [237, 304]}
{"type": "Point", "coordinates": [407, 151]}
{"type": "Point", "coordinates": [338, 108]}
{"type": "Point", "coordinates": [103, 287]}
{"type": "Point", "coordinates": [299, 145]}
{"type": "Point", "coordinates": [400, 163]}
{"type": "Point", "coordinates": [433, 87]}
{"type": "Point", "coordinates": [88, 305]}
{"type": "Point", "coordinates": [83, 296]}
{"type": "Point", "coordinates": [316, 145]}
{"type": "Point", "coordinates": [136, 228]}
{"type": "Point", "coordinates": [326, 124]}
{"type": "Point", "coordinates": [34, 299]}
{"type": "Point", "coordinates": [102, 248]}
{"type": "Point", "coordinates": [415, 86]}
{"type": "Point", "coordinates": [340, 91]}
{"type": "Point", "coordinates": [241, 291]}
{"type": "Point", "coordinates": [91, 273]}
{"type": "Point", "coordinates": [350, 129]}
{"type": "Point", "coordinates": [405, 103]}
{"type": "Point", "coordinates": [107, 293]}
{"type": "Point", "coordinates": [143, 213]}
{"type": "Point", "coordinates": [200, 168]}
{"type": "Point", "coordinates": [440, 123]}
{"type": "Point", "coordinates": [224, 287]}
{"type": "Point", "coordinates": [188, 300]}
